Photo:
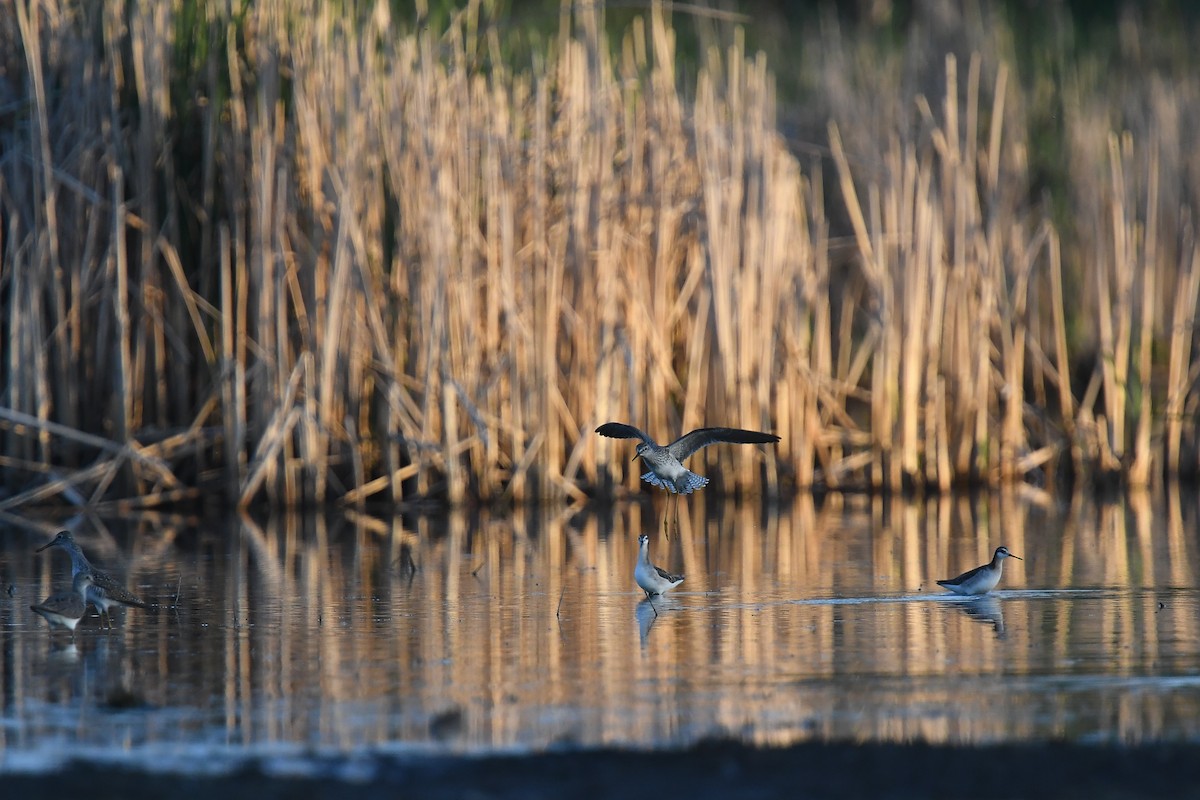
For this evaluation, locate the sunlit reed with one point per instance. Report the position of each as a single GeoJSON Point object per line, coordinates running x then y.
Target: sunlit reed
{"type": "Point", "coordinates": [302, 255]}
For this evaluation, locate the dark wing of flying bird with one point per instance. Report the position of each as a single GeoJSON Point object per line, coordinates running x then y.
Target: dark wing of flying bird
{"type": "Point", "coordinates": [619, 430]}
{"type": "Point", "coordinates": [689, 443]}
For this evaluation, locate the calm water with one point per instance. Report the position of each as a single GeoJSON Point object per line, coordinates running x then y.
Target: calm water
{"type": "Point", "coordinates": [809, 622]}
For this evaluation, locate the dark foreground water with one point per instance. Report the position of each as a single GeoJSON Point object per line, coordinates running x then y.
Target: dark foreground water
{"type": "Point", "coordinates": [338, 649]}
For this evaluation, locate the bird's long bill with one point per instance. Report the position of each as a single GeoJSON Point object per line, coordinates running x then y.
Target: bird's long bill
{"type": "Point", "coordinates": [1018, 558]}
{"type": "Point", "coordinates": [636, 456]}
{"type": "Point", "coordinates": [43, 547]}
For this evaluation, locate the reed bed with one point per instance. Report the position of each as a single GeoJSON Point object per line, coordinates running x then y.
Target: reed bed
{"type": "Point", "coordinates": [298, 253]}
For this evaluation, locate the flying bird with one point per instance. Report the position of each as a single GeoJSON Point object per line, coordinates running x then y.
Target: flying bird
{"type": "Point", "coordinates": [665, 463]}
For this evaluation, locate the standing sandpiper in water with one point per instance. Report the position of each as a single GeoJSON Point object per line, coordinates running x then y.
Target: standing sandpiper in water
{"type": "Point", "coordinates": [102, 598]}
{"type": "Point", "coordinates": [106, 590]}
{"type": "Point", "coordinates": [63, 610]}
{"type": "Point", "coordinates": [980, 580]}
{"type": "Point", "coordinates": [653, 580]}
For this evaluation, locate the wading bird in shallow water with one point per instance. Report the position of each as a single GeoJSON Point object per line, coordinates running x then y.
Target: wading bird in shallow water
{"type": "Point", "coordinates": [980, 580]}
{"type": "Point", "coordinates": [62, 610]}
{"type": "Point", "coordinates": [666, 461]}
{"type": "Point", "coordinates": [108, 589]}
{"type": "Point", "coordinates": [653, 580]}
{"type": "Point", "coordinates": [103, 598]}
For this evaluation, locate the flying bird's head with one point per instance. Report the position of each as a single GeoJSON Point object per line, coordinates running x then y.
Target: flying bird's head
{"type": "Point", "coordinates": [640, 450]}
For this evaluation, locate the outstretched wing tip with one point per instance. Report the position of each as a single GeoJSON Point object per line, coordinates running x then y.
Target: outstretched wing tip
{"type": "Point", "coordinates": [619, 430]}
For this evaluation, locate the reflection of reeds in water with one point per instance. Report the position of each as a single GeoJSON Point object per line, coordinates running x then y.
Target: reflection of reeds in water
{"type": "Point", "coordinates": [309, 257]}
{"type": "Point", "coordinates": [799, 625]}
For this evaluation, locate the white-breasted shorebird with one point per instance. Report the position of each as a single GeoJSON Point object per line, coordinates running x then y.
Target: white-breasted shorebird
{"type": "Point", "coordinates": [653, 580]}
{"type": "Point", "coordinates": [980, 580]}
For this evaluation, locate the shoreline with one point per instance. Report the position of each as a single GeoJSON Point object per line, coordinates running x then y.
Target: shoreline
{"type": "Point", "coordinates": [717, 769]}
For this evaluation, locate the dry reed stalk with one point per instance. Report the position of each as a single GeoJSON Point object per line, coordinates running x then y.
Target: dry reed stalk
{"type": "Point", "coordinates": [1062, 361]}
{"type": "Point", "coordinates": [1113, 314]}
{"type": "Point", "coordinates": [231, 376]}
{"type": "Point", "coordinates": [58, 486]}
{"type": "Point", "coordinates": [263, 466]}
{"type": "Point", "coordinates": [807, 346]}
{"type": "Point", "coordinates": [1014, 332]}
{"type": "Point", "coordinates": [477, 265]}
{"type": "Point", "coordinates": [256, 293]}
{"type": "Point", "coordinates": [936, 435]}
{"type": "Point", "coordinates": [1139, 472]}
{"type": "Point", "coordinates": [914, 227]}
{"type": "Point", "coordinates": [885, 380]}
{"type": "Point", "coordinates": [1183, 323]}
{"type": "Point", "coordinates": [153, 465]}
{"type": "Point", "coordinates": [880, 419]}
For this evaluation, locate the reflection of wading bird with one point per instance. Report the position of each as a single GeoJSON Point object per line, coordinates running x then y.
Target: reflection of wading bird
{"type": "Point", "coordinates": [980, 580]}
{"type": "Point", "coordinates": [666, 462]}
{"type": "Point", "coordinates": [653, 580]}
{"type": "Point", "coordinates": [985, 609]}
{"type": "Point", "coordinates": [106, 590]}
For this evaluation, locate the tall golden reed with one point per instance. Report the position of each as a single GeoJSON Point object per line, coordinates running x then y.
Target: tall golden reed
{"type": "Point", "coordinates": [299, 255]}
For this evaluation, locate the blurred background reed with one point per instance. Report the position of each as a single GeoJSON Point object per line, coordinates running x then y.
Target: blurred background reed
{"type": "Point", "coordinates": [298, 252]}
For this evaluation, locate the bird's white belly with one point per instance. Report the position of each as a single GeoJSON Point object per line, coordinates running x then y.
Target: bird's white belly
{"type": "Point", "coordinates": [980, 584]}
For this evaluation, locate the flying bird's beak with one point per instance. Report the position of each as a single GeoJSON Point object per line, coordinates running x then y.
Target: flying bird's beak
{"type": "Point", "coordinates": [636, 456]}
{"type": "Point", "coordinates": [43, 547]}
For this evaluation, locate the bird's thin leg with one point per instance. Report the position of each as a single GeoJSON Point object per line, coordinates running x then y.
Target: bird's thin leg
{"type": "Point", "coordinates": [676, 514]}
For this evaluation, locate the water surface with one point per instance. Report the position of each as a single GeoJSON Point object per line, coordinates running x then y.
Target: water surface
{"type": "Point", "coordinates": [355, 634]}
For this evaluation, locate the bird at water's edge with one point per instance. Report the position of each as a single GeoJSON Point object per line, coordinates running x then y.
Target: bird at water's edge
{"type": "Point", "coordinates": [665, 462]}
{"type": "Point", "coordinates": [104, 598]}
{"type": "Point", "coordinates": [983, 579]}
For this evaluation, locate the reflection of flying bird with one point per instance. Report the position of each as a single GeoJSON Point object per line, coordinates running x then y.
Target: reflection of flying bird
{"type": "Point", "coordinates": [666, 461]}
{"type": "Point", "coordinates": [980, 580]}
{"type": "Point", "coordinates": [653, 580]}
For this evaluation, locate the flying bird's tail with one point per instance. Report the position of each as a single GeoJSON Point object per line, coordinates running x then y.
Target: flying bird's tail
{"type": "Point", "coordinates": [690, 480]}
